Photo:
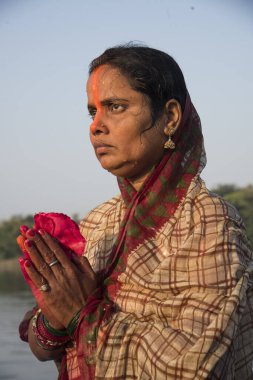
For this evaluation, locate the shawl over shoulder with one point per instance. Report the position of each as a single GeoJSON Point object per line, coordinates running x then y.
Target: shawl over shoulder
{"type": "Point", "coordinates": [185, 306]}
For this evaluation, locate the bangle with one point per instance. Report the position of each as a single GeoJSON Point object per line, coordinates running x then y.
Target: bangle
{"type": "Point", "coordinates": [47, 348]}
{"type": "Point", "coordinates": [53, 331]}
{"type": "Point", "coordinates": [44, 338]}
{"type": "Point", "coordinates": [73, 324]}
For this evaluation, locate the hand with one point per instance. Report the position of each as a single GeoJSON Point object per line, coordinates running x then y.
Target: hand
{"type": "Point", "coordinates": [24, 324]}
{"type": "Point", "coordinates": [70, 281]}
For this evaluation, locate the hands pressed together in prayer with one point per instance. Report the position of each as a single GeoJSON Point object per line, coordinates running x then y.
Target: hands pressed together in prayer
{"type": "Point", "coordinates": [60, 284]}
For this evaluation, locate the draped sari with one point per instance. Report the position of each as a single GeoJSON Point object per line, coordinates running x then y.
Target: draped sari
{"type": "Point", "coordinates": [175, 274]}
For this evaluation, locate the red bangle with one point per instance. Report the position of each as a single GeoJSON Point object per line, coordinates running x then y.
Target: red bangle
{"type": "Point", "coordinates": [45, 339]}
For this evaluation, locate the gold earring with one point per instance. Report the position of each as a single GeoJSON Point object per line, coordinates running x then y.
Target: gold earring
{"type": "Point", "coordinates": [169, 143]}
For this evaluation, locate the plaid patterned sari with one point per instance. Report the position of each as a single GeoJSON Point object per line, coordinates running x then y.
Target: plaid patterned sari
{"type": "Point", "coordinates": [175, 266]}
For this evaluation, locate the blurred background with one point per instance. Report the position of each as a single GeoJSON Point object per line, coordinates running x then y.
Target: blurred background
{"type": "Point", "coordinates": [46, 160]}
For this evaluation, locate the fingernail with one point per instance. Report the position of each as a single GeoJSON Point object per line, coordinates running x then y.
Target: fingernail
{"type": "Point", "coordinates": [28, 264]}
{"type": "Point", "coordinates": [42, 232]}
{"type": "Point", "coordinates": [30, 233]}
{"type": "Point", "coordinates": [23, 229]}
{"type": "Point", "coordinates": [28, 243]}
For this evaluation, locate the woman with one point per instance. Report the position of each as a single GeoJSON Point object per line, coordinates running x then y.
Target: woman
{"type": "Point", "coordinates": [166, 290]}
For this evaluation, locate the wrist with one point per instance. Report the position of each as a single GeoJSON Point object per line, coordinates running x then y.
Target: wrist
{"type": "Point", "coordinates": [73, 323]}
{"type": "Point", "coordinates": [48, 339]}
{"type": "Point", "coordinates": [52, 329]}
{"type": "Point", "coordinates": [54, 325]}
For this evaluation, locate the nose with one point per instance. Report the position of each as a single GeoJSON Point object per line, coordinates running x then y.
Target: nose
{"type": "Point", "coordinates": [98, 125]}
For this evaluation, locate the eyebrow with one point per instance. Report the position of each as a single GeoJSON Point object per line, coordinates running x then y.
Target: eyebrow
{"type": "Point", "coordinates": [108, 101]}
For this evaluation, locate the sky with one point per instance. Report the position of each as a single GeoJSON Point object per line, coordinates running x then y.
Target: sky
{"type": "Point", "coordinates": [46, 159]}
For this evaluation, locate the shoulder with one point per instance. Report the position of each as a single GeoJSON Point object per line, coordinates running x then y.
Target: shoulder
{"type": "Point", "coordinates": [210, 207]}
{"type": "Point", "coordinates": [208, 217]}
{"type": "Point", "coordinates": [209, 238]}
{"type": "Point", "coordinates": [101, 214]}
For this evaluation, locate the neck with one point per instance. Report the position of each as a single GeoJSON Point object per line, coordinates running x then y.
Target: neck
{"type": "Point", "coordinates": [138, 182]}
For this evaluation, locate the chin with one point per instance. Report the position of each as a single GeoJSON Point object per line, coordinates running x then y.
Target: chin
{"type": "Point", "coordinates": [109, 165]}
{"type": "Point", "coordinates": [118, 171]}
{"type": "Point", "coordinates": [119, 168]}
{"type": "Point", "coordinates": [113, 170]}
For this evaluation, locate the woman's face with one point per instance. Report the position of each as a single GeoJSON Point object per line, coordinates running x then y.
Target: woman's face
{"type": "Point", "coordinates": [121, 132]}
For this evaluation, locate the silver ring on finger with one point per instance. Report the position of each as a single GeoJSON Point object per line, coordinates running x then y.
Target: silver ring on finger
{"type": "Point", "coordinates": [53, 263]}
{"type": "Point", "coordinates": [45, 288]}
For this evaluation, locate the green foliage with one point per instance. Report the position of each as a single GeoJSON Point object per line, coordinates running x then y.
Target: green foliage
{"type": "Point", "coordinates": [9, 231]}
{"type": "Point", "coordinates": [224, 190]}
{"type": "Point", "coordinates": [242, 199]}
{"type": "Point", "coordinates": [76, 217]}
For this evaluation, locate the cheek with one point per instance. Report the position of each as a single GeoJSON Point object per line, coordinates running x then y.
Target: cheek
{"type": "Point", "coordinates": [147, 146]}
{"type": "Point", "coordinates": [130, 135]}
{"type": "Point", "coordinates": [131, 145]}
{"type": "Point", "coordinates": [134, 152]}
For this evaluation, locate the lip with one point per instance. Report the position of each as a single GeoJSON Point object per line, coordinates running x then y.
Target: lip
{"type": "Point", "coordinates": [101, 147]}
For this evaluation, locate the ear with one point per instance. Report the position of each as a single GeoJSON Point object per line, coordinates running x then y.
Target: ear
{"type": "Point", "coordinates": [173, 114]}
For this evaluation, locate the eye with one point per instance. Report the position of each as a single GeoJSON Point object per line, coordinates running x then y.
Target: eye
{"type": "Point", "coordinates": [92, 113]}
{"type": "Point", "coordinates": [116, 108]}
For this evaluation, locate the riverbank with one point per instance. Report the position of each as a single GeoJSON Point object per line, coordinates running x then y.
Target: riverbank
{"type": "Point", "coordinates": [9, 265]}
{"type": "Point", "coordinates": [11, 278]}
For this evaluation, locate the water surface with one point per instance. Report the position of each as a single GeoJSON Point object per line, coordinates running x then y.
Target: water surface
{"type": "Point", "coordinates": [16, 360]}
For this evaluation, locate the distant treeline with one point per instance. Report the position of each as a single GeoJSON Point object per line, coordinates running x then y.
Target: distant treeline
{"type": "Point", "coordinates": [240, 197]}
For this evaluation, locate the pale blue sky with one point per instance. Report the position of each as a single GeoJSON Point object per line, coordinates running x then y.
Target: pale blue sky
{"type": "Point", "coordinates": [46, 161]}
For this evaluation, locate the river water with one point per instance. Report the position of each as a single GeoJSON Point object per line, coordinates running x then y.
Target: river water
{"type": "Point", "coordinates": [16, 360]}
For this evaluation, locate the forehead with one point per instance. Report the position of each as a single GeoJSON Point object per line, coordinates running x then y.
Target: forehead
{"type": "Point", "coordinates": [107, 81]}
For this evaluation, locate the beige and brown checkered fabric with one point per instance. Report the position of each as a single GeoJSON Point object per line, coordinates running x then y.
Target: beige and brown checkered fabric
{"type": "Point", "coordinates": [186, 301]}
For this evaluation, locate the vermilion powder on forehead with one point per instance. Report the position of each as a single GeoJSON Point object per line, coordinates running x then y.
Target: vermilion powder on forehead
{"type": "Point", "coordinates": [95, 89]}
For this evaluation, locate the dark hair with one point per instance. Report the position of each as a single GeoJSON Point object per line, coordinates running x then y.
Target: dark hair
{"type": "Point", "coordinates": [149, 71]}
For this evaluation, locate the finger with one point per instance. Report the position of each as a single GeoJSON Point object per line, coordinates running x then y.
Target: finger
{"type": "Point", "coordinates": [84, 265]}
{"type": "Point", "coordinates": [57, 250]}
{"type": "Point", "coordinates": [41, 246]}
{"type": "Point", "coordinates": [37, 260]}
{"type": "Point", "coordinates": [36, 281]}
{"type": "Point", "coordinates": [33, 278]}
{"type": "Point", "coordinates": [21, 243]}
{"type": "Point", "coordinates": [88, 275]}
{"type": "Point", "coordinates": [33, 274]}
{"type": "Point", "coordinates": [23, 229]}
